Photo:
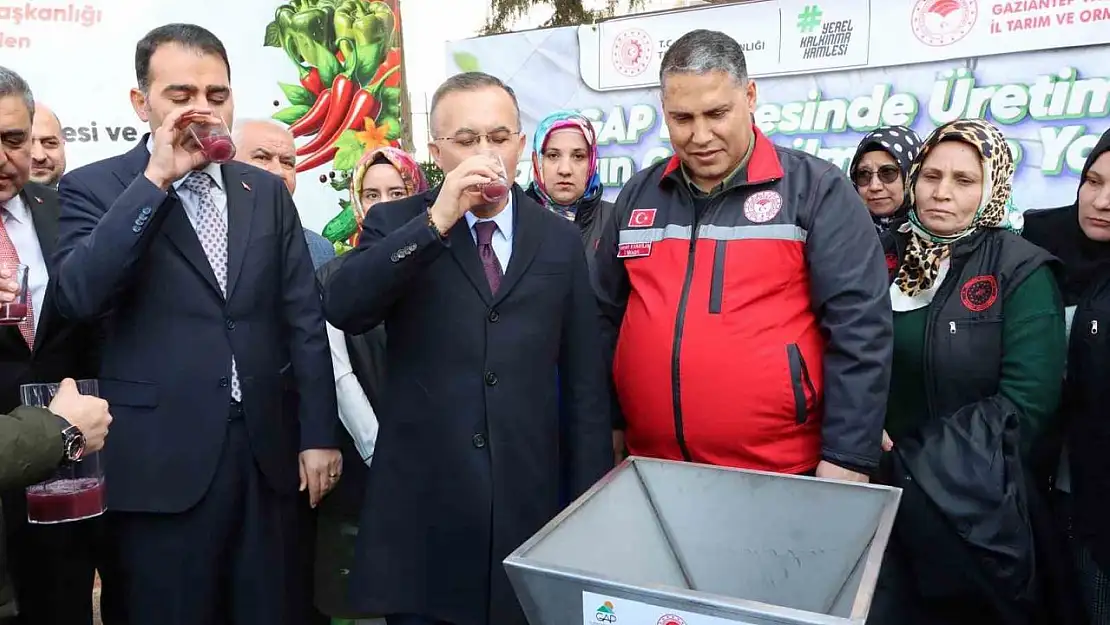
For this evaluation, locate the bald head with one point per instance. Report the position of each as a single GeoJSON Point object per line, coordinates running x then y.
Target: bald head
{"type": "Point", "coordinates": [265, 143]}
{"type": "Point", "coordinates": [48, 150]}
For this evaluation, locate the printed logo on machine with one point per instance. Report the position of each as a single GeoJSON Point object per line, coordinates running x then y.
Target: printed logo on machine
{"type": "Point", "coordinates": [943, 22]}
{"type": "Point", "coordinates": [632, 52]}
{"type": "Point", "coordinates": [670, 619]}
{"type": "Point", "coordinates": [605, 613]}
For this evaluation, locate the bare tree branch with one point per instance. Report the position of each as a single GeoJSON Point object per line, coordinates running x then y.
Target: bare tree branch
{"type": "Point", "coordinates": [566, 13]}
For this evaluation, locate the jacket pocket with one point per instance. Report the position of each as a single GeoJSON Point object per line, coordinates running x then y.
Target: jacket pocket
{"type": "Point", "coordinates": [800, 383]}
{"type": "Point", "coordinates": [717, 281]}
{"type": "Point", "coordinates": [128, 393]}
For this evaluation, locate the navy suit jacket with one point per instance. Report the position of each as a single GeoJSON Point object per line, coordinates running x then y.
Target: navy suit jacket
{"type": "Point", "coordinates": [129, 257]}
{"type": "Point", "coordinates": [468, 460]}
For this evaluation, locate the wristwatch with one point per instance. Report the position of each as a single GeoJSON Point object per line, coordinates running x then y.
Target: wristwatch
{"type": "Point", "coordinates": [73, 443]}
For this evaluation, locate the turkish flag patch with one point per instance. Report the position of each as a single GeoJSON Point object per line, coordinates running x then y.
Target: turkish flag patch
{"type": "Point", "coordinates": [642, 218]}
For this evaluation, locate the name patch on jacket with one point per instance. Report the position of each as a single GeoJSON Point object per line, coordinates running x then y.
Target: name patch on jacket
{"type": "Point", "coordinates": [634, 250]}
{"type": "Point", "coordinates": [641, 218]}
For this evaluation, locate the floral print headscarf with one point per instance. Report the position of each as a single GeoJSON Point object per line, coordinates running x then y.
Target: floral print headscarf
{"type": "Point", "coordinates": [564, 120]}
{"type": "Point", "coordinates": [403, 162]}
{"type": "Point", "coordinates": [926, 250]}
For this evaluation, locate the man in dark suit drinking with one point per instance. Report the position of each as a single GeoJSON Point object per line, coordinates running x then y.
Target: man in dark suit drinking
{"type": "Point", "coordinates": [482, 302]}
{"type": "Point", "coordinates": [201, 277]}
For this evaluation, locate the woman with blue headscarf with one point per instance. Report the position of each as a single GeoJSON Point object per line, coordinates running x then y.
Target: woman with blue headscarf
{"type": "Point", "coordinates": [566, 181]}
{"type": "Point", "coordinates": [565, 176]}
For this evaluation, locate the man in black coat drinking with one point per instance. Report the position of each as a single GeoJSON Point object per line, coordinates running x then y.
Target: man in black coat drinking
{"type": "Point", "coordinates": [484, 302]}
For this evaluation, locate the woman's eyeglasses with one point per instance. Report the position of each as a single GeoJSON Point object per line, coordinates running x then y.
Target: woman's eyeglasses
{"type": "Point", "coordinates": [887, 174]}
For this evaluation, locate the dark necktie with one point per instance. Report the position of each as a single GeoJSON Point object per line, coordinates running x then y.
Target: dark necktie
{"type": "Point", "coordinates": [490, 265]}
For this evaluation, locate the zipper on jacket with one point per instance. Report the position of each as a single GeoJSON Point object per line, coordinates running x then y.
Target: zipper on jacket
{"type": "Point", "coordinates": [680, 321]}
{"type": "Point", "coordinates": [951, 327]}
{"type": "Point", "coordinates": [800, 382]}
{"type": "Point", "coordinates": [717, 281]}
{"type": "Point", "coordinates": [1094, 326]}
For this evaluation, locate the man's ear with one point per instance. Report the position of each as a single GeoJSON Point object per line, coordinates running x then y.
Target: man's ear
{"type": "Point", "coordinates": [140, 103]}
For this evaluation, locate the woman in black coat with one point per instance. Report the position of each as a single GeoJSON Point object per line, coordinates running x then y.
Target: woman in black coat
{"type": "Point", "coordinates": [1079, 235]}
{"type": "Point", "coordinates": [565, 180]}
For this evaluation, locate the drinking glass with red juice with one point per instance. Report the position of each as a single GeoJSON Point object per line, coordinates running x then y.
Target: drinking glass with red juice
{"type": "Point", "coordinates": [496, 190]}
{"type": "Point", "coordinates": [14, 312]}
{"type": "Point", "coordinates": [76, 490]}
{"type": "Point", "coordinates": [214, 140]}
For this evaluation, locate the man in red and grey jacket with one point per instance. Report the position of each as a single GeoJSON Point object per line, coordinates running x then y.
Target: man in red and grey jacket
{"type": "Point", "coordinates": [744, 290]}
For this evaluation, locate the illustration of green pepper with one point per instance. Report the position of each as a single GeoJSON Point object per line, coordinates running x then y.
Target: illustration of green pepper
{"type": "Point", "coordinates": [364, 32]}
{"type": "Point", "coordinates": [358, 61]}
{"type": "Point", "coordinates": [364, 22]}
{"type": "Point", "coordinates": [303, 21]}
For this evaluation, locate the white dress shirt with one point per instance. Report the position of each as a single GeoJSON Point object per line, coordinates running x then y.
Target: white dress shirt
{"type": "Point", "coordinates": [502, 242]}
{"type": "Point", "coordinates": [21, 230]}
{"type": "Point", "coordinates": [354, 408]}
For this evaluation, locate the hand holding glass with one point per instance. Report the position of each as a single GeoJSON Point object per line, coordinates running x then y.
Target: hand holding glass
{"type": "Point", "coordinates": [76, 491]}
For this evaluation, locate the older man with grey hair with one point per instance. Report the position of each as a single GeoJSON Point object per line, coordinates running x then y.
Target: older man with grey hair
{"type": "Point", "coordinates": [51, 565]}
{"type": "Point", "coordinates": [266, 144]}
{"type": "Point", "coordinates": [760, 266]}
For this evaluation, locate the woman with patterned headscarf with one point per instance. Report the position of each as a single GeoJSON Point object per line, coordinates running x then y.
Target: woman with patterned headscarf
{"type": "Point", "coordinates": [381, 175]}
{"type": "Point", "coordinates": [384, 175]}
{"type": "Point", "coordinates": [565, 176]}
{"type": "Point", "coordinates": [978, 330]}
{"type": "Point", "coordinates": [880, 170]}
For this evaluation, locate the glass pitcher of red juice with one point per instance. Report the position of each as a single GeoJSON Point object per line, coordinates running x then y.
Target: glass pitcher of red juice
{"type": "Point", "coordinates": [75, 491]}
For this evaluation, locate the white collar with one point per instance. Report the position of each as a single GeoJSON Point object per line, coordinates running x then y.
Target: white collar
{"type": "Point", "coordinates": [18, 209]}
{"type": "Point", "coordinates": [504, 219]}
{"type": "Point", "coordinates": [212, 169]}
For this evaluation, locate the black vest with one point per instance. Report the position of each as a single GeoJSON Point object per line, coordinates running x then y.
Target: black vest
{"type": "Point", "coordinates": [963, 347]}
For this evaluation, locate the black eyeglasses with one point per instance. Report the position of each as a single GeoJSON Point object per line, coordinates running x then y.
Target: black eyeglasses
{"type": "Point", "coordinates": [887, 174]}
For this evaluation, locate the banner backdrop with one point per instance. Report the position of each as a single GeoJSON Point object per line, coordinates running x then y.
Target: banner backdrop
{"type": "Point", "coordinates": [827, 76]}
{"type": "Point", "coordinates": [79, 60]}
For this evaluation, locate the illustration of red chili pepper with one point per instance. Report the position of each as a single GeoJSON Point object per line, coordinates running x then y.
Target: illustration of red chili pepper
{"type": "Point", "coordinates": [342, 90]}
{"type": "Point", "coordinates": [311, 81]}
{"type": "Point", "coordinates": [392, 60]}
{"type": "Point", "coordinates": [314, 118]}
{"type": "Point", "coordinates": [317, 159]}
{"type": "Point", "coordinates": [364, 105]}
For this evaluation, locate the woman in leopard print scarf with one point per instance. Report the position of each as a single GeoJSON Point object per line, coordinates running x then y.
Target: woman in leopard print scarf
{"type": "Point", "coordinates": [941, 214]}
{"type": "Point", "coordinates": [978, 328]}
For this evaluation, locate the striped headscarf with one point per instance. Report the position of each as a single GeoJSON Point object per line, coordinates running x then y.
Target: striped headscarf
{"type": "Point", "coordinates": [564, 120]}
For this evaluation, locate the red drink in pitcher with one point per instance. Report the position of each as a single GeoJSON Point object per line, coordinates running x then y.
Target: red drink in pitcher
{"type": "Point", "coordinates": [65, 500]}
